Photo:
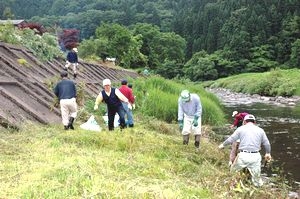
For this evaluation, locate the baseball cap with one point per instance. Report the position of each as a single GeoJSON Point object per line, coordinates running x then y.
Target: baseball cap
{"type": "Point", "coordinates": [249, 117]}
{"type": "Point", "coordinates": [75, 49]}
{"type": "Point", "coordinates": [185, 95]}
{"type": "Point", "coordinates": [234, 113]}
{"type": "Point", "coordinates": [124, 82]}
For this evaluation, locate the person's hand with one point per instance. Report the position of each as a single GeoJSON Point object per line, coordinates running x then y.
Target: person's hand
{"type": "Point", "coordinates": [180, 122]}
{"type": "Point", "coordinates": [95, 107]}
{"type": "Point", "coordinates": [268, 157]}
{"type": "Point", "coordinates": [129, 106]}
{"type": "Point", "coordinates": [195, 121]}
{"type": "Point", "coordinates": [221, 146]}
{"type": "Point", "coordinates": [232, 126]}
{"type": "Point", "coordinates": [133, 106]}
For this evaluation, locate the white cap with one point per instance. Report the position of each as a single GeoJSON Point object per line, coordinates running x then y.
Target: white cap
{"type": "Point", "coordinates": [249, 117]}
{"type": "Point", "coordinates": [185, 95]}
{"type": "Point", "coordinates": [234, 113]}
{"type": "Point", "coordinates": [106, 82]}
{"type": "Point", "coordinates": [75, 49]}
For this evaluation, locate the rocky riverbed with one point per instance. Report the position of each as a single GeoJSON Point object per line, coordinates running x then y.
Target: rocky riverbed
{"type": "Point", "coordinates": [228, 97]}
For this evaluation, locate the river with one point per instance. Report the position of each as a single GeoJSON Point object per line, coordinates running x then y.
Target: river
{"type": "Point", "coordinates": [281, 123]}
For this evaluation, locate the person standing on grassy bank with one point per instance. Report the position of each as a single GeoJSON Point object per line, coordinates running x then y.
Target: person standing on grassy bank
{"type": "Point", "coordinates": [65, 90]}
{"type": "Point", "coordinates": [189, 116]}
{"type": "Point", "coordinates": [127, 92]}
{"type": "Point", "coordinates": [251, 138]}
{"type": "Point", "coordinates": [113, 98]}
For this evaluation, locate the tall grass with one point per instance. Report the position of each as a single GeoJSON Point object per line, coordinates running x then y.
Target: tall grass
{"type": "Point", "coordinates": [158, 97]}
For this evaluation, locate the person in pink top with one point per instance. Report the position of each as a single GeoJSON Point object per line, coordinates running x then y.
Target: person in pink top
{"type": "Point", "coordinates": [238, 121]}
{"type": "Point", "coordinates": [127, 92]}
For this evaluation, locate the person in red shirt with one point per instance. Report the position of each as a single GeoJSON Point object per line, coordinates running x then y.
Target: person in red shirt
{"type": "Point", "coordinates": [238, 121]}
{"type": "Point", "coordinates": [127, 92]}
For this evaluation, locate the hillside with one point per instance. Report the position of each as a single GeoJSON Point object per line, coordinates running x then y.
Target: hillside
{"type": "Point", "coordinates": [25, 90]}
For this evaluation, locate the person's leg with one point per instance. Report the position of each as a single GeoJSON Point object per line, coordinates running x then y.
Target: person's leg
{"type": "Point", "coordinates": [125, 106]}
{"type": "Point", "coordinates": [130, 118]}
{"type": "Point", "coordinates": [111, 118]}
{"type": "Point", "coordinates": [186, 130]}
{"type": "Point", "coordinates": [255, 169]}
{"type": "Point", "coordinates": [72, 106]}
{"type": "Point", "coordinates": [233, 152]}
{"type": "Point", "coordinates": [64, 113]}
{"type": "Point", "coordinates": [121, 113]}
{"type": "Point", "coordinates": [197, 133]}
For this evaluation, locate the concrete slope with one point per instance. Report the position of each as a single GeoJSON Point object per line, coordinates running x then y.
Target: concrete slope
{"type": "Point", "coordinates": [24, 90]}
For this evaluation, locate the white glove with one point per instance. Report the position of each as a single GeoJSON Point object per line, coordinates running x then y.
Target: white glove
{"type": "Point", "coordinates": [95, 107]}
{"type": "Point", "coordinates": [133, 106]}
{"type": "Point", "coordinates": [221, 146]}
{"type": "Point", "coordinates": [129, 106]}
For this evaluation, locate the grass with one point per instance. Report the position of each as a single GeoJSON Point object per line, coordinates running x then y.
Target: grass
{"type": "Point", "coordinates": [147, 161]}
{"type": "Point", "coordinates": [277, 82]}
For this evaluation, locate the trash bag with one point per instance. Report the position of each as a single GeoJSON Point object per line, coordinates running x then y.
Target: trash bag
{"type": "Point", "coordinates": [91, 124]}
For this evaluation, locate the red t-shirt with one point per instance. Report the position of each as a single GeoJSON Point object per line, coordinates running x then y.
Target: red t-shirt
{"type": "Point", "coordinates": [127, 92]}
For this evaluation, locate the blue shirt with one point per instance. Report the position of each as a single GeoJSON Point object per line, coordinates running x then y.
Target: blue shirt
{"type": "Point", "coordinates": [190, 108]}
{"type": "Point", "coordinates": [65, 89]}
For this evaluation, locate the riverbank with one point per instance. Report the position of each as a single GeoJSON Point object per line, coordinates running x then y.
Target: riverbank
{"type": "Point", "coordinates": [229, 97]}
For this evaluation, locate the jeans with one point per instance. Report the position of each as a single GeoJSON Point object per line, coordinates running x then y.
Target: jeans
{"type": "Point", "coordinates": [128, 112]}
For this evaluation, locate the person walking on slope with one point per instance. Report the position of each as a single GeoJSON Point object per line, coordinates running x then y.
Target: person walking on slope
{"type": "Point", "coordinates": [189, 116]}
{"type": "Point", "coordinates": [238, 121]}
{"type": "Point", "coordinates": [251, 138]}
{"type": "Point", "coordinates": [65, 90]}
{"type": "Point", "coordinates": [113, 98]}
{"type": "Point", "coordinates": [127, 92]}
{"type": "Point", "coordinates": [72, 59]}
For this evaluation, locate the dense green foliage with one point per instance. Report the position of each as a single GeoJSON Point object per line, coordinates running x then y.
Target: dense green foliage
{"type": "Point", "coordinates": [274, 83]}
{"type": "Point", "coordinates": [45, 47]}
{"type": "Point", "coordinates": [198, 40]}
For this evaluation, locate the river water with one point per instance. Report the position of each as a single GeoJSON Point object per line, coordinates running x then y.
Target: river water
{"type": "Point", "coordinates": [282, 126]}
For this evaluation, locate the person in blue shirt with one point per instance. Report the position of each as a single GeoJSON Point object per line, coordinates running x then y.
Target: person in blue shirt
{"type": "Point", "coordinates": [72, 59]}
{"type": "Point", "coordinates": [189, 116]}
{"type": "Point", "coordinates": [65, 90]}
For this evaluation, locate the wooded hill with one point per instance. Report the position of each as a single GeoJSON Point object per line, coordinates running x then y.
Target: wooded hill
{"type": "Point", "coordinates": [221, 37]}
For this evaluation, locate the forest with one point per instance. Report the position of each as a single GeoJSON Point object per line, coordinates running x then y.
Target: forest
{"type": "Point", "coordinates": [191, 39]}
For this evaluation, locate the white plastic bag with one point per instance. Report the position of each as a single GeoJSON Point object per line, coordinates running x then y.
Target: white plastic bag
{"type": "Point", "coordinates": [116, 121]}
{"type": "Point", "coordinates": [91, 124]}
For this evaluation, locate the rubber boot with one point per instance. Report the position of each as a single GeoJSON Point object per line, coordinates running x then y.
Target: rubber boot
{"type": "Point", "coordinates": [131, 125]}
{"type": "Point", "coordinates": [66, 127]}
{"type": "Point", "coordinates": [186, 139]}
{"type": "Point", "coordinates": [70, 125]}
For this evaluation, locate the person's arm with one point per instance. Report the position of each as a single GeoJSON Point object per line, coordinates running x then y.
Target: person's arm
{"type": "Point", "coordinates": [267, 147]}
{"type": "Point", "coordinates": [121, 96]}
{"type": "Point", "coordinates": [98, 100]}
{"type": "Point", "coordinates": [234, 137]}
{"type": "Point", "coordinates": [56, 90]}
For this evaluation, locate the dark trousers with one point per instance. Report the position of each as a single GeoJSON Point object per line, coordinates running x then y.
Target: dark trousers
{"type": "Point", "coordinates": [111, 117]}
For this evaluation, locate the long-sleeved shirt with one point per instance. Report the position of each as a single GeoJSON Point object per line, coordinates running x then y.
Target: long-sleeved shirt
{"type": "Point", "coordinates": [239, 118]}
{"type": "Point", "coordinates": [72, 57]}
{"type": "Point", "coordinates": [190, 108]}
{"type": "Point", "coordinates": [99, 98]}
{"type": "Point", "coordinates": [127, 92]}
{"type": "Point", "coordinates": [251, 138]}
{"type": "Point", "coordinates": [65, 89]}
